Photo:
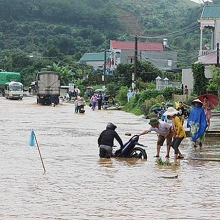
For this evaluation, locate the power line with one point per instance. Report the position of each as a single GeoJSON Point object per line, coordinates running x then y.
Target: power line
{"type": "Point", "coordinates": [173, 34]}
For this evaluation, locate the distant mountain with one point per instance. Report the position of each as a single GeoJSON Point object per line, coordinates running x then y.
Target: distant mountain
{"type": "Point", "coordinates": [74, 27]}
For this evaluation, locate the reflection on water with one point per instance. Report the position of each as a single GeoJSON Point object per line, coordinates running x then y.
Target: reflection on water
{"type": "Point", "coordinates": [79, 185]}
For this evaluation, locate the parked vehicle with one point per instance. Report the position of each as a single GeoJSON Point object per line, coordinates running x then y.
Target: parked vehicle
{"type": "Point", "coordinates": [110, 105]}
{"type": "Point", "coordinates": [48, 87]}
{"type": "Point", "coordinates": [13, 90]}
{"type": "Point", "coordinates": [81, 105]}
{"type": "Point", "coordinates": [158, 111]}
{"type": "Point", "coordinates": [6, 77]}
{"type": "Point", "coordinates": [130, 149]}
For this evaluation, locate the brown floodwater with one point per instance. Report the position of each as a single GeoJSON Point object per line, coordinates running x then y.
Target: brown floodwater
{"type": "Point", "coordinates": [79, 185]}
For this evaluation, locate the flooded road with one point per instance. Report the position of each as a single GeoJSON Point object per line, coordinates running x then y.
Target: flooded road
{"type": "Point", "coordinates": [79, 185]}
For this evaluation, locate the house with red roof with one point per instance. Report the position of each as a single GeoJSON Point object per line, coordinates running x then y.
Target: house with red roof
{"type": "Point", "coordinates": [156, 53]}
{"type": "Point", "coordinates": [124, 52]}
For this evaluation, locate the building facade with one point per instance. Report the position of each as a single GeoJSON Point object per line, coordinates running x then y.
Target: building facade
{"type": "Point", "coordinates": [124, 52]}
{"type": "Point", "coordinates": [210, 19]}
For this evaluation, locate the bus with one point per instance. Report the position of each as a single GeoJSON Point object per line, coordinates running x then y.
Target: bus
{"type": "Point", "coordinates": [13, 90]}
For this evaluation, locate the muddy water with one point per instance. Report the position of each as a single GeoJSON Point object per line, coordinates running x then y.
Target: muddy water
{"type": "Point", "coordinates": [78, 185]}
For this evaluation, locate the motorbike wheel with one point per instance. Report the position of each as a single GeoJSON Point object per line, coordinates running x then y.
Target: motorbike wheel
{"type": "Point", "coordinates": [138, 152]}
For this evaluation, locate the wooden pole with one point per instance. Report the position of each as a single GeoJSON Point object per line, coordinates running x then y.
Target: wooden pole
{"type": "Point", "coordinates": [40, 154]}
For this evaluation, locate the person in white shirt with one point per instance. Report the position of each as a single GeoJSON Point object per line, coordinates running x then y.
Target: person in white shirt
{"type": "Point", "coordinates": [164, 131]}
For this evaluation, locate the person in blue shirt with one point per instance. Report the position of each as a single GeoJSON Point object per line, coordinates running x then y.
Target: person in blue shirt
{"type": "Point", "coordinates": [163, 108]}
{"type": "Point", "coordinates": [197, 122]}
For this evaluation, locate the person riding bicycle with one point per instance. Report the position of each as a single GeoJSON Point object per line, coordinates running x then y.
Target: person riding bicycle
{"type": "Point", "coordinates": [106, 141]}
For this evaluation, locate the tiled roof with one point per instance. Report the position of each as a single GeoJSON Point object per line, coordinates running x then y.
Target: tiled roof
{"type": "Point", "coordinates": [129, 45]}
{"type": "Point", "coordinates": [210, 59]}
{"type": "Point", "coordinates": [211, 12]}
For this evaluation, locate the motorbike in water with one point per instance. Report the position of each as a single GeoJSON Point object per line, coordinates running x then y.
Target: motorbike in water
{"type": "Point", "coordinates": [131, 150]}
{"type": "Point", "coordinates": [81, 109]}
{"type": "Point", "coordinates": [81, 105]}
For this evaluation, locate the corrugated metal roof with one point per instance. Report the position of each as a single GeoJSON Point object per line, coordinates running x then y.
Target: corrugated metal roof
{"type": "Point", "coordinates": [129, 45]}
{"type": "Point", "coordinates": [92, 57]}
{"type": "Point", "coordinates": [209, 59]}
{"type": "Point", "coordinates": [211, 12]}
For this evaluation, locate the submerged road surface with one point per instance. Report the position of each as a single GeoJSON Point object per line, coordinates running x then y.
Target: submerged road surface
{"type": "Point", "coordinates": [79, 185]}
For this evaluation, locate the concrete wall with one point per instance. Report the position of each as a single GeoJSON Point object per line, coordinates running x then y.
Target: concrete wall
{"type": "Point", "coordinates": [163, 60]}
{"type": "Point", "coordinates": [208, 72]}
{"type": "Point", "coordinates": [179, 98]}
{"type": "Point", "coordinates": [187, 79]}
{"type": "Point", "coordinates": [216, 32]}
{"type": "Point", "coordinates": [96, 64]}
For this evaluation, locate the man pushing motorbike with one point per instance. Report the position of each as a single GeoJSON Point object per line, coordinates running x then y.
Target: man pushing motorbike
{"type": "Point", "coordinates": [106, 141]}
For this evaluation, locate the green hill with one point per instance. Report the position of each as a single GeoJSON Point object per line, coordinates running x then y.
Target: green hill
{"type": "Point", "coordinates": [74, 27]}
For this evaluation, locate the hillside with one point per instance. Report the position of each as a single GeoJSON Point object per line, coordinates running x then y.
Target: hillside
{"type": "Point", "coordinates": [74, 27]}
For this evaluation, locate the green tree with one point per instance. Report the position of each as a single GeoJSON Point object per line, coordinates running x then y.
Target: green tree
{"type": "Point", "coordinates": [200, 81]}
{"type": "Point", "coordinates": [214, 83]}
{"type": "Point", "coordinates": [66, 74]}
{"type": "Point", "coordinates": [147, 71]}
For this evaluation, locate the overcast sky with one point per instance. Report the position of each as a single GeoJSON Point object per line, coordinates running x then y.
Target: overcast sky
{"type": "Point", "coordinates": [201, 1]}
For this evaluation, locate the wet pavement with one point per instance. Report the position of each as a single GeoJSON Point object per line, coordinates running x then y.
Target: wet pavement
{"type": "Point", "coordinates": [79, 185]}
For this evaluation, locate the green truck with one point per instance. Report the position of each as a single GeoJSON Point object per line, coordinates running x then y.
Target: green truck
{"type": "Point", "coordinates": [6, 77]}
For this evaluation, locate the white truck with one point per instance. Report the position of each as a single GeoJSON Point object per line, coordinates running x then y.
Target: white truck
{"type": "Point", "coordinates": [48, 88]}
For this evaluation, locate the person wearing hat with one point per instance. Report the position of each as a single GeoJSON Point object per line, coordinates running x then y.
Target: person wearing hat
{"type": "Point", "coordinates": [178, 132]}
{"type": "Point", "coordinates": [163, 130]}
{"type": "Point", "coordinates": [197, 122]}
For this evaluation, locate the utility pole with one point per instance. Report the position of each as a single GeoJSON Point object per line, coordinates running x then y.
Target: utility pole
{"type": "Point", "coordinates": [104, 66]}
{"type": "Point", "coordinates": [135, 58]}
{"type": "Point", "coordinates": [217, 54]}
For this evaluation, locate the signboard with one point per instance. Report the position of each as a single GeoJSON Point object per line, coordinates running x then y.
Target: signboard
{"type": "Point", "coordinates": [71, 87]}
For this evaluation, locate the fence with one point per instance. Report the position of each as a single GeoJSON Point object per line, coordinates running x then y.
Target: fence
{"type": "Point", "coordinates": [163, 83]}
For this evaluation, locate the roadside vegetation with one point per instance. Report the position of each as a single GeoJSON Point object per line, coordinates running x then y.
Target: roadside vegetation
{"type": "Point", "coordinates": [54, 34]}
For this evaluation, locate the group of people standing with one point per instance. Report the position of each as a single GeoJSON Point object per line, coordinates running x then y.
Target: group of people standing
{"type": "Point", "coordinates": [97, 99]}
{"type": "Point", "coordinates": [173, 133]}
{"type": "Point", "coordinates": [198, 122]}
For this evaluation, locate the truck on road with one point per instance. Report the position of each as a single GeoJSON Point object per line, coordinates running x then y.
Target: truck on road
{"type": "Point", "coordinates": [48, 88]}
{"type": "Point", "coordinates": [6, 77]}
